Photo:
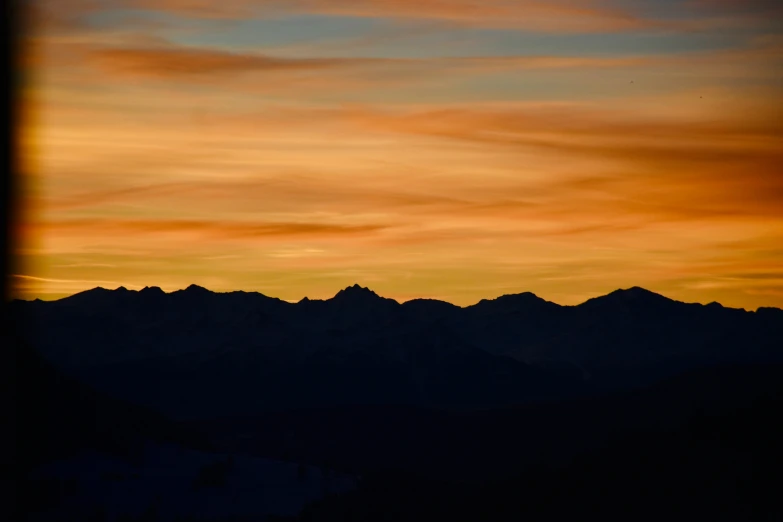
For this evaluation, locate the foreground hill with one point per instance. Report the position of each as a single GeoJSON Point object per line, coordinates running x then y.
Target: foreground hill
{"type": "Point", "coordinates": [724, 465]}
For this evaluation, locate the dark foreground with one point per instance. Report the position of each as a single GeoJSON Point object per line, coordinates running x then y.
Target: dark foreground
{"type": "Point", "coordinates": [238, 407]}
{"type": "Point", "coordinates": [716, 457]}
{"type": "Point", "coordinates": [724, 467]}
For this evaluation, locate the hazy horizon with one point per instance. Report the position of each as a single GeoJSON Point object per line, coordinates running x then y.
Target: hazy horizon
{"type": "Point", "coordinates": [447, 150]}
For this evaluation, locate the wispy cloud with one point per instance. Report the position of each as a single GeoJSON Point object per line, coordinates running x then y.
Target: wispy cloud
{"type": "Point", "coordinates": [189, 63]}
{"type": "Point", "coordinates": [219, 229]}
{"type": "Point", "coordinates": [174, 62]}
{"type": "Point", "coordinates": [71, 281]}
{"type": "Point", "coordinates": [85, 265]}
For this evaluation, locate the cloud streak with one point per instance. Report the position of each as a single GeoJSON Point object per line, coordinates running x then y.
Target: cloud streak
{"type": "Point", "coordinates": [175, 62]}
{"type": "Point", "coordinates": [216, 229]}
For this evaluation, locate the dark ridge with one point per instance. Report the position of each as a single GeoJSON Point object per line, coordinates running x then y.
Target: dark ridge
{"type": "Point", "coordinates": [92, 291]}
{"type": "Point", "coordinates": [432, 305]}
{"type": "Point", "coordinates": [635, 293]}
{"type": "Point", "coordinates": [426, 300]}
{"type": "Point", "coordinates": [250, 295]}
{"type": "Point", "coordinates": [520, 301]}
{"type": "Point", "coordinates": [641, 299]}
{"type": "Point", "coordinates": [88, 295]}
{"type": "Point", "coordinates": [635, 299]}
{"type": "Point", "coordinates": [152, 290]}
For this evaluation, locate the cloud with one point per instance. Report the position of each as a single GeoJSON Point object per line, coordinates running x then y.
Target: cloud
{"type": "Point", "coordinates": [730, 167]}
{"type": "Point", "coordinates": [310, 194]}
{"type": "Point", "coordinates": [25, 278]}
{"type": "Point", "coordinates": [174, 62]}
{"type": "Point", "coordinates": [585, 129]}
{"type": "Point", "coordinates": [111, 65]}
{"type": "Point", "coordinates": [215, 229]}
{"type": "Point", "coordinates": [611, 168]}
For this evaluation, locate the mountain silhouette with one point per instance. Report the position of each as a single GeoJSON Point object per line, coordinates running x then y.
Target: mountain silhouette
{"type": "Point", "coordinates": [356, 294]}
{"type": "Point", "coordinates": [200, 353]}
{"type": "Point", "coordinates": [629, 406]}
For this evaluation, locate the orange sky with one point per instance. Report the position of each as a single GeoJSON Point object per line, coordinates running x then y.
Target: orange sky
{"type": "Point", "coordinates": [456, 150]}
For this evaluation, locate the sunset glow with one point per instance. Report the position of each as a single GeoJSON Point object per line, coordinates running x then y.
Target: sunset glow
{"type": "Point", "coordinates": [456, 150]}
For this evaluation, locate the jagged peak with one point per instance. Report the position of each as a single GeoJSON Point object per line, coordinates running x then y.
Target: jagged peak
{"type": "Point", "coordinates": [356, 290]}
{"type": "Point", "coordinates": [359, 294]}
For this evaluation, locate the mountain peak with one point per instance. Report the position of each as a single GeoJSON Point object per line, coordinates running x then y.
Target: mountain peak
{"type": "Point", "coordinates": [635, 296]}
{"type": "Point", "coordinates": [152, 290]}
{"type": "Point", "coordinates": [524, 296]}
{"type": "Point", "coordinates": [359, 296]}
{"type": "Point", "coordinates": [196, 288]}
{"type": "Point", "coordinates": [636, 292]}
{"type": "Point", "coordinates": [356, 292]}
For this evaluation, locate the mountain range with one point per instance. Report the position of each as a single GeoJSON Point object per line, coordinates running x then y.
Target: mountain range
{"type": "Point", "coordinates": [630, 406]}
{"type": "Point", "coordinates": [197, 354]}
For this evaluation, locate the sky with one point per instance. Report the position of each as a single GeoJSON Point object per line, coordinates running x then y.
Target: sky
{"type": "Point", "coordinates": [447, 149]}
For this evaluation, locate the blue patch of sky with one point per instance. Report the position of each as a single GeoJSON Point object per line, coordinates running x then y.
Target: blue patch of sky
{"type": "Point", "coordinates": [128, 18]}
{"type": "Point", "coordinates": [283, 32]}
{"type": "Point", "coordinates": [311, 35]}
{"type": "Point", "coordinates": [483, 42]}
{"type": "Point", "coordinates": [660, 9]}
{"type": "Point", "coordinates": [549, 85]}
{"type": "Point", "coordinates": [242, 34]}
{"type": "Point", "coordinates": [336, 36]}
